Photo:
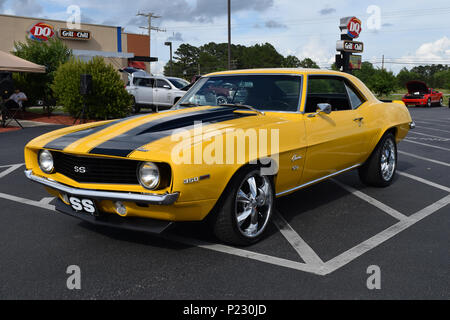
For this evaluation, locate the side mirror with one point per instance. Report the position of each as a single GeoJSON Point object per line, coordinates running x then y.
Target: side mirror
{"type": "Point", "coordinates": [166, 86]}
{"type": "Point", "coordinates": [322, 108]}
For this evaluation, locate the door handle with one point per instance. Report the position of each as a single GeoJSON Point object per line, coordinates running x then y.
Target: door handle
{"type": "Point", "coordinates": [358, 119]}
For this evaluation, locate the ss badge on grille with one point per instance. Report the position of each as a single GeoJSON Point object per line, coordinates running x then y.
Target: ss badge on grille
{"type": "Point", "coordinates": [79, 169]}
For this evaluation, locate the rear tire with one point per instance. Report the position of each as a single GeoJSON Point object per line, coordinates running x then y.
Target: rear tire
{"type": "Point", "coordinates": [441, 102]}
{"type": "Point", "coordinates": [379, 170]}
{"type": "Point", "coordinates": [136, 108]}
{"type": "Point", "coordinates": [246, 209]}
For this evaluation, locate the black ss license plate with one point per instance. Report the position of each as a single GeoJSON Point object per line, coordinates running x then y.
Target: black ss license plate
{"type": "Point", "coordinates": [81, 205]}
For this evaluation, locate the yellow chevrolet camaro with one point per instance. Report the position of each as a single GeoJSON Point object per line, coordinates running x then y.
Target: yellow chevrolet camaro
{"type": "Point", "coordinates": [236, 141]}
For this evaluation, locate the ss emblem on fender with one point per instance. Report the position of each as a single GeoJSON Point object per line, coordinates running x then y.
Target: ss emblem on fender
{"type": "Point", "coordinates": [79, 169]}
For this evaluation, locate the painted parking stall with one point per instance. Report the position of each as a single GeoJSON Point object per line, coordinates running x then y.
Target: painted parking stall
{"type": "Point", "coordinates": [323, 237]}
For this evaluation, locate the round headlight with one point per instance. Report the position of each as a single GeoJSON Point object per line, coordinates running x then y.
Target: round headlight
{"type": "Point", "coordinates": [46, 161]}
{"type": "Point", "coordinates": [148, 175]}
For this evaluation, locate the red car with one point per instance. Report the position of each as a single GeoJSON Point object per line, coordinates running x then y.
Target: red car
{"type": "Point", "coordinates": [420, 95]}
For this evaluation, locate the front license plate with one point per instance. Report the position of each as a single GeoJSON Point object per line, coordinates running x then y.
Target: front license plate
{"type": "Point", "coordinates": [83, 205]}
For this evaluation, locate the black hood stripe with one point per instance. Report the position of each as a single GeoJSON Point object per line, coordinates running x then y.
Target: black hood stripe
{"type": "Point", "coordinates": [63, 142]}
{"type": "Point", "coordinates": [124, 144]}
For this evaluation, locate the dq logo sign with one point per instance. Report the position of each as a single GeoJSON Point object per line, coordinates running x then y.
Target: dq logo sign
{"type": "Point", "coordinates": [41, 32]}
{"type": "Point", "coordinates": [354, 27]}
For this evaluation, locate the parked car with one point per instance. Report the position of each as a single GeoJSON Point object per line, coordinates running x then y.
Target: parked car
{"type": "Point", "coordinates": [154, 92]}
{"type": "Point", "coordinates": [142, 172]}
{"type": "Point", "coordinates": [420, 95]}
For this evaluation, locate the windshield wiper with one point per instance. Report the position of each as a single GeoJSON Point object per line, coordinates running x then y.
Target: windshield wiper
{"type": "Point", "coordinates": [237, 105]}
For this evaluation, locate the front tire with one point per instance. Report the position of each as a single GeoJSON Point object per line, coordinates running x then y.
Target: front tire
{"type": "Point", "coordinates": [380, 168]}
{"type": "Point", "coordinates": [429, 104]}
{"type": "Point", "coordinates": [247, 207]}
{"type": "Point", "coordinates": [441, 102]}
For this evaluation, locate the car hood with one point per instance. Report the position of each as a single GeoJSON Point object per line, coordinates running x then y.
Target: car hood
{"type": "Point", "coordinates": [417, 86]}
{"type": "Point", "coordinates": [123, 137]}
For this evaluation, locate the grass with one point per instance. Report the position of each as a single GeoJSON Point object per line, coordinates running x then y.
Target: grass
{"type": "Point", "coordinates": [40, 110]}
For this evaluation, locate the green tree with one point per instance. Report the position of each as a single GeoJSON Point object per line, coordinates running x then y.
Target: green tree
{"type": "Point", "coordinates": [404, 76]}
{"type": "Point", "coordinates": [291, 62]}
{"type": "Point", "coordinates": [382, 83]}
{"type": "Point", "coordinates": [366, 73]}
{"type": "Point", "coordinates": [442, 79]}
{"type": "Point", "coordinates": [211, 57]}
{"type": "Point", "coordinates": [109, 98]}
{"type": "Point", "coordinates": [426, 73]}
{"type": "Point", "coordinates": [51, 54]}
{"type": "Point", "coordinates": [309, 63]}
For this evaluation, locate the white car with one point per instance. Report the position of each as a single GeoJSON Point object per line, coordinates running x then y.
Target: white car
{"type": "Point", "coordinates": [155, 92]}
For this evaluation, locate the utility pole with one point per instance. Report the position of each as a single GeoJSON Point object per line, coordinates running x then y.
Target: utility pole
{"type": "Point", "coordinates": [229, 34]}
{"type": "Point", "coordinates": [150, 27]}
{"type": "Point", "coordinates": [382, 63]}
{"type": "Point", "coordinates": [169, 43]}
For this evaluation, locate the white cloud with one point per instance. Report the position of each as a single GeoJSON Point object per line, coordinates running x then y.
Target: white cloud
{"type": "Point", "coordinates": [317, 49]}
{"type": "Point", "coordinates": [429, 52]}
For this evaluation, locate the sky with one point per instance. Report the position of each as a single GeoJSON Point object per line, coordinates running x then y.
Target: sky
{"type": "Point", "coordinates": [407, 33]}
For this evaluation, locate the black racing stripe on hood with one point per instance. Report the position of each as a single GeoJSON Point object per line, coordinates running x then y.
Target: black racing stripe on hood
{"type": "Point", "coordinates": [123, 145]}
{"type": "Point", "coordinates": [63, 142]}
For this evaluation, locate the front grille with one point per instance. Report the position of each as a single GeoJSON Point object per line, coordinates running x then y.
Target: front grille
{"type": "Point", "coordinates": [414, 97]}
{"type": "Point", "coordinates": [96, 170]}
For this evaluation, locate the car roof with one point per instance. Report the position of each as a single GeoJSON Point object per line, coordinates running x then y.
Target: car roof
{"type": "Point", "coordinates": [278, 71]}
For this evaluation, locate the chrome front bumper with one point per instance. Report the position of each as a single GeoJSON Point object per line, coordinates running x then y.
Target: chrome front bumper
{"type": "Point", "coordinates": [412, 125]}
{"type": "Point", "coordinates": [155, 199]}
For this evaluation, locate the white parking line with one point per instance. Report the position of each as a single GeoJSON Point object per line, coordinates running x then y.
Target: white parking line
{"type": "Point", "coordinates": [427, 145]}
{"type": "Point", "coordinates": [423, 158]}
{"type": "Point", "coordinates": [47, 200]}
{"type": "Point", "coordinates": [437, 120]}
{"type": "Point", "coordinates": [247, 254]}
{"type": "Point", "coordinates": [27, 201]}
{"type": "Point", "coordinates": [314, 263]}
{"type": "Point", "coordinates": [433, 129]}
{"type": "Point", "coordinates": [10, 165]}
{"type": "Point", "coordinates": [355, 252]}
{"type": "Point", "coordinates": [390, 211]}
{"type": "Point", "coordinates": [11, 169]}
{"type": "Point", "coordinates": [433, 123]}
{"type": "Point", "coordinates": [303, 249]}
{"type": "Point", "coordinates": [429, 135]}
{"type": "Point", "coordinates": [424, 181]}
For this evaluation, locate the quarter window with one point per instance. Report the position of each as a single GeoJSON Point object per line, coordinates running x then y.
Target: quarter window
{"type": "Point", "coordinates": [355, 100]}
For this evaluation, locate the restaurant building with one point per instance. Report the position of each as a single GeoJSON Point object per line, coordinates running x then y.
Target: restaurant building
{"type": "Point", "coordinates": [118, 48]}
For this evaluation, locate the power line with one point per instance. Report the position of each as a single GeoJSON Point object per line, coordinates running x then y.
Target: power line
{"type": "Point", "coordinates": [302, 21]}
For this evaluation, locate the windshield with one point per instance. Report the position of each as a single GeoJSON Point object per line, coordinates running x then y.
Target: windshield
{"type": "Point", "coordinates": [179, 83]}
{"type": "Point", "coordinates": [263, 92]}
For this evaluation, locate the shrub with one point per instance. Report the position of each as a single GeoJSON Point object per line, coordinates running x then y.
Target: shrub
{"type": "Point", "coordinates": [109, 98]}
{"type": "Point", "coordinates": [51, 54]}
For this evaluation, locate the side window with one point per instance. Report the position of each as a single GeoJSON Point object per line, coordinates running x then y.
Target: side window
{"type": "Point", "coordinates": [142, 82]}
{"type": "Point", "coordinates": [355, 99]}
{"type": "Point", "coordinates": [161, 84]}
{"type": "Point", "coordinates": [327, 89]}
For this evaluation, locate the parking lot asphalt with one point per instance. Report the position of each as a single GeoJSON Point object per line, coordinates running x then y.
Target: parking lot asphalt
{"type": "Point", "coordinates": [320, 246]}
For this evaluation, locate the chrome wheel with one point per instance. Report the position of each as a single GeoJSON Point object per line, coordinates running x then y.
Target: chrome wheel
{"type": "Point", "coordinates": [388, 160]}
{"type": "Point", "coordinates": [253, 206]}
